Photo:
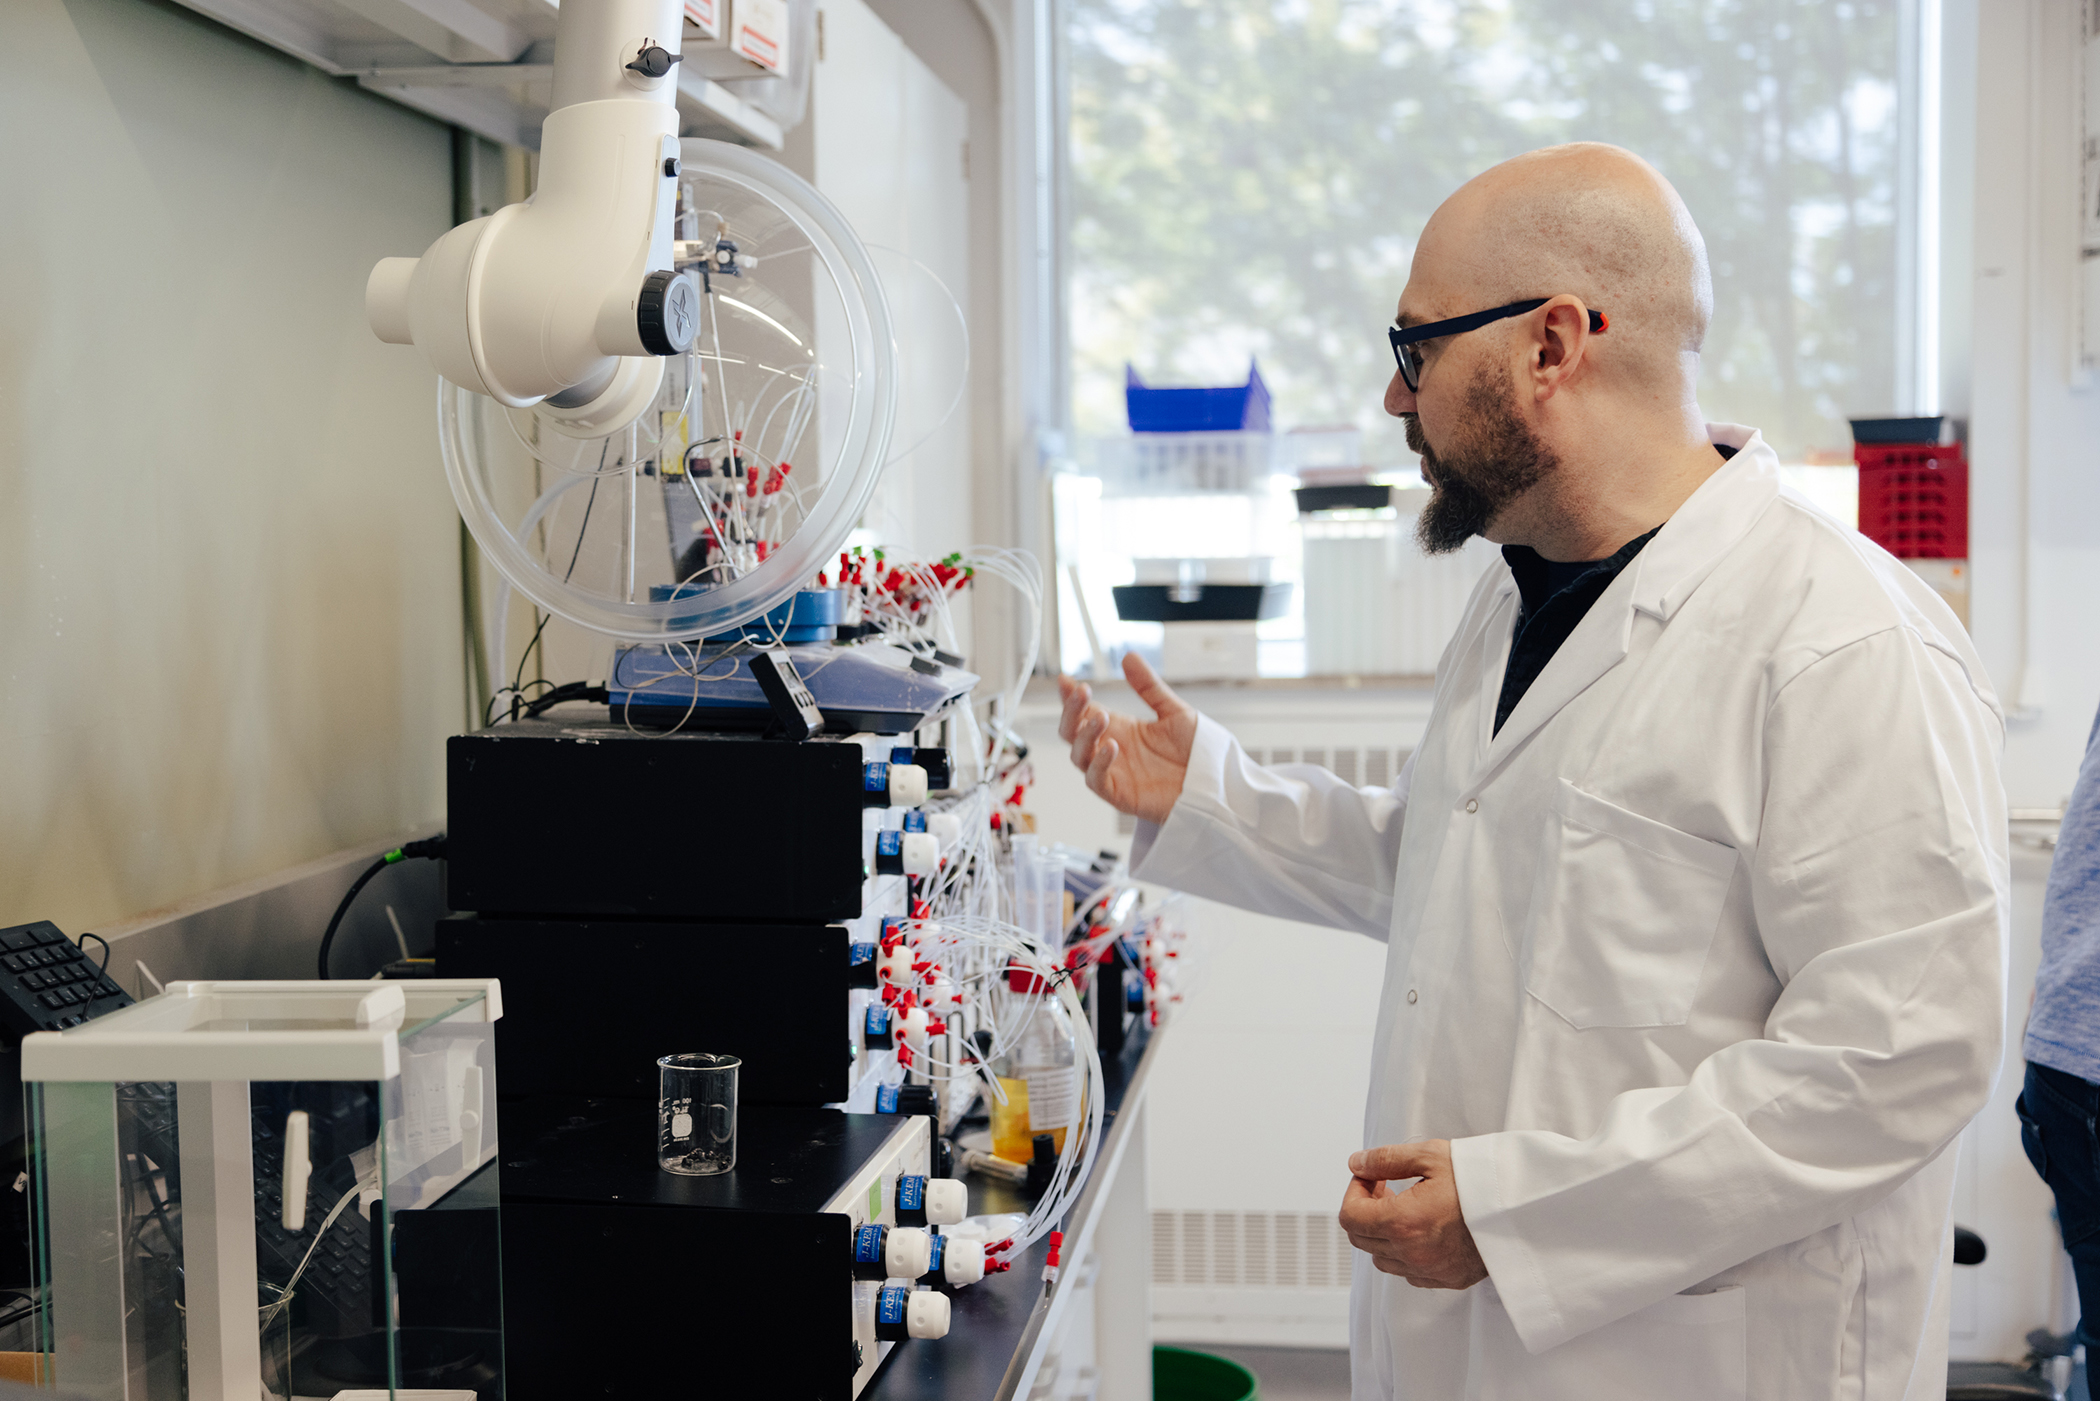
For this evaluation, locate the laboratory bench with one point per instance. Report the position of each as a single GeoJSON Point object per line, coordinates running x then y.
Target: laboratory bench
{"type": "Point", "coordinates": [1011, 1340]}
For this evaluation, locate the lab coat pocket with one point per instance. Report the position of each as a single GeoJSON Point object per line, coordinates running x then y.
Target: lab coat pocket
{"type": "Point", "coordinates": [1688, 1345]}
{"type": "Point", "coordinates": [1623, 911]}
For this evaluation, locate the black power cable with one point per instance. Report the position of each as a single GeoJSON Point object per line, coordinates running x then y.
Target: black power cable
{"type": "Point", "coordinates": [573, 690]}
{"type": "Point", "coordinates": [517, 686]}
{"type": "Point", "coordinates": [432, 848]}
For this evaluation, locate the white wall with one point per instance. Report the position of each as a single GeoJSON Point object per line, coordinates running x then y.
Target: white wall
{"type": "Point", "coordinates": [958, 42]}
{"type": "Point", "coordinates": [887, 144]}
{"type": "Point", "coordinates": [887, 141]}
{"type": "Point", "coordinates": [229, 575]}
{"type": "Point", "coordinates": [2034, 441]}
{"type": "Point", "coordinates": [2009, 333]}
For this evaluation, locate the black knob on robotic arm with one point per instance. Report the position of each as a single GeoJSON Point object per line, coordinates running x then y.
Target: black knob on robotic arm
{"type": "Point", "coordinates": [668, 313]}
{"type": "Point", "coordinates": [654, 61]}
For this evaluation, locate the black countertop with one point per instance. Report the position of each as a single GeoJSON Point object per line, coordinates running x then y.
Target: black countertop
{"type": "Point", "coordinates": [789, 1161]}
{"type": "Point", "coordinates": [998, 1320]}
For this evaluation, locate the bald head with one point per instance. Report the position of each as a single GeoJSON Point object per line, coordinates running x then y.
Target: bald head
{"type": "Point", "coordinates": [1545, 429]}
{"type": "Point", "coordinates": [1585, 219]}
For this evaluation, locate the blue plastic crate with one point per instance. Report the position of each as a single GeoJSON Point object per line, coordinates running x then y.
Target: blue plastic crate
{"type": "Point", "coordinates": [1231, 408]}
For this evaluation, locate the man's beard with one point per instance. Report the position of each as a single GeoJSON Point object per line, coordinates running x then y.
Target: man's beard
{"type": "Point", "coordinates": [1501, 460]}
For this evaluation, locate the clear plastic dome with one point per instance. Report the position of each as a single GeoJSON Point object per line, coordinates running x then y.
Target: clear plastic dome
{"type": "Point", "coordinates": [756, 455]}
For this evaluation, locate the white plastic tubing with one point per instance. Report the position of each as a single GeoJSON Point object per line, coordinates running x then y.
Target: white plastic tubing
{"type": "Point", "coordinates": [978, 951]}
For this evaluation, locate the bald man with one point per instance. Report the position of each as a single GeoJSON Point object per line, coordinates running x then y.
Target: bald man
{"type": "Point", "coordinates": [1695, 889]}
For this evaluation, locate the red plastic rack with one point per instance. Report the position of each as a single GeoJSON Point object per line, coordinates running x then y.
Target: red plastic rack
{"type": "Point", "coordinates": [1914, 498]}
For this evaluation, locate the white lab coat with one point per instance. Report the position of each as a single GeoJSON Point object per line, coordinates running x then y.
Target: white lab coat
{"type": "Point", "coordinates": [1699, 963]}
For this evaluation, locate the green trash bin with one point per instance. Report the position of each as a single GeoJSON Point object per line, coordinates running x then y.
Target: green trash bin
{"type": "Point", "coordinates": [1181, 1375]}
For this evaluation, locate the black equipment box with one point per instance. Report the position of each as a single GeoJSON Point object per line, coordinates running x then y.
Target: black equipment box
{"type": "Point", "coordinates": [588, 818]}
{"type": "Point", "coordinates": [1201, 603]}
{"type": "Point", "coordinates": [774, 995]}
{"type": "Point", "coordinates": [620, 1280]}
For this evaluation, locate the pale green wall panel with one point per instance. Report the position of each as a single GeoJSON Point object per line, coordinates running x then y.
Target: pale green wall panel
{"type": "Point", "coordinates": [229, 617]}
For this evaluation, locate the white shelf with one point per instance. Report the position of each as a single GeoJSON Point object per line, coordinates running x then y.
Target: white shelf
{"type": "Point", "coordinates": [486, 65]}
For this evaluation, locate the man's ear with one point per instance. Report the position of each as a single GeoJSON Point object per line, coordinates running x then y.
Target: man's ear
{"type": "Point", "coordinates": [1560, 342]}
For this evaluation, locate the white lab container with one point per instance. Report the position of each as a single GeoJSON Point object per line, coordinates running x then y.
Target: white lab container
{"type": "Point", "coordinates": [1181, 464]}
{"type": "Point", "coordinates": [1209, 652]}
{"type": "Point", "coordinates": [1376, 604]}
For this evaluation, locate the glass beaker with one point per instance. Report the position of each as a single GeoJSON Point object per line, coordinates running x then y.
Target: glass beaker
{"type": "Point", "coordinates": [696, 1114]}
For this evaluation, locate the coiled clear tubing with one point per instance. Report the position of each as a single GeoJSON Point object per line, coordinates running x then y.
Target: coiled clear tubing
{"type": "Point", "coordinates": [757, 456]}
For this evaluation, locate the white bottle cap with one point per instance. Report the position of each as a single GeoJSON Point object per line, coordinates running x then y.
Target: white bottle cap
{"type": "Point", "coordinates": [911, 1025]}
{"type": "Point", "coordinates": [962, 1261]}
{"type": "Point", "coordinates": [942, 996]}
{"type": "Point", "coordinates": [908, 786]}
{"type": "Point", "coordinates": [926, 1315]}
{"type": "Point", "coordinates": [947, 1202]}
{"type": "Point", "coordinates": [909, 1255]}
{"type": "Point", "coordinates": [921, 852]}
{"type": "Point", "coordinates": [895, 966]}
{"type": "Point", "coordinates": [946, 828]}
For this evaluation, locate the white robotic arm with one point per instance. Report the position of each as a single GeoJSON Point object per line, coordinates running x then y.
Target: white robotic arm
{"type": "Point", "coordinates": [713, 486]}
{"type": "Point", "coordinates": [570, 297]}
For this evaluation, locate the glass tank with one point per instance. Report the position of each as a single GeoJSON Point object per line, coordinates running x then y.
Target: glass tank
{"type": "Point", "coordinates": [270, 1189]}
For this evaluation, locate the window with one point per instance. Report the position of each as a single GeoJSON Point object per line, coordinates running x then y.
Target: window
{"type": "Point", "coordinates": [1248, 178]}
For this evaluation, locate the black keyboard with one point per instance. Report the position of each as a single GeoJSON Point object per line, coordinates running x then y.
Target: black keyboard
{"type": "Point", "coordinates": [49, 983]}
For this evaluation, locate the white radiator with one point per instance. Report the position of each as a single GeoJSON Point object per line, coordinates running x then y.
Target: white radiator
{"type": "Point", "coordinates": [1258, 1278]}
{"type": "Point", "coordinates": [1367, 767]}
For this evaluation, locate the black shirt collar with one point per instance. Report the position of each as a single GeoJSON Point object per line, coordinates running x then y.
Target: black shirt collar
{"type": "Point", "coordinates": [1539, 578]}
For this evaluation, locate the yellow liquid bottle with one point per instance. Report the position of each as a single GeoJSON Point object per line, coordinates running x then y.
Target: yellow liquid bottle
{"type": "Point", "coordinates": [1039, 1074]}
{"type": "Point", "coordinates": [1012, 1138]}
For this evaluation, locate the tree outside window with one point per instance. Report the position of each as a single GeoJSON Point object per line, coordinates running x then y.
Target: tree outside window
{"type": "Point", "coordinates": [1249, 178]}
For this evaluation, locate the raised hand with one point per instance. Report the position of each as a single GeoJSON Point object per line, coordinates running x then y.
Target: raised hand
{"type": "Point", "coordinates": [1137, 765]}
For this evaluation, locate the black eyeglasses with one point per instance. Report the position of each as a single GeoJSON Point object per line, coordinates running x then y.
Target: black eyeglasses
{"type": "Point", "coordinates": [1407, 340]}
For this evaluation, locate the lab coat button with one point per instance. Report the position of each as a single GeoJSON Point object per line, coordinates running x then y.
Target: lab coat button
{"type": "Point", "coordinates": [1472, 805]}
{"type": "Point", "coordinates": [1411, 997]}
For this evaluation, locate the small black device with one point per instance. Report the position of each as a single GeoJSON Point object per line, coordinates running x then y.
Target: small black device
{"type": "Point", "coordinates": [49, 983]}
{"type": "Point", "coordinates": [794, 709]}
{"type": "Point", "coordinates": [860, 966]}
{"type": "Point", "coordinates": [1109, 1003]}
{"type": "Point", "coordinates": [1343, 496]}
{"type": "Point", "coordinates": [940, 772]}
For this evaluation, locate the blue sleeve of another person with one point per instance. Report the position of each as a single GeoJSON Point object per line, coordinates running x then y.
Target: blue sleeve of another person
{"type": "Point", "coordinates": [2064, 1030]}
